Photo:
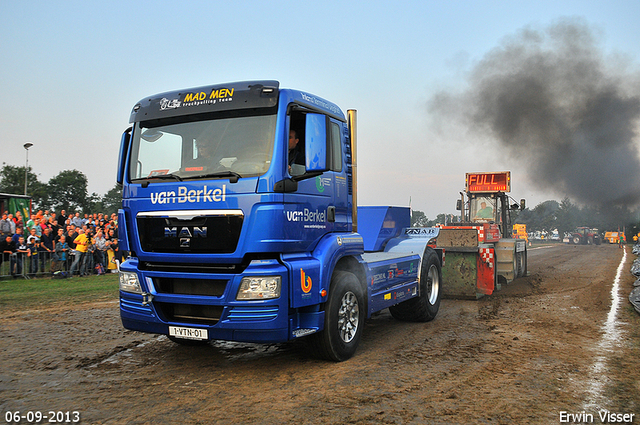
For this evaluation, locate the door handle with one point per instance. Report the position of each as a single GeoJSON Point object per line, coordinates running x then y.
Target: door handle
{"type": "Point", "coordinates": [331, 214]}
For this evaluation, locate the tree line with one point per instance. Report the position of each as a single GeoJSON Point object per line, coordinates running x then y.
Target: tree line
{"type": "Point", "coordinates": [65, 191]}
{"type": "Point", "coordinates": [68, 191]}
{"type": "Point", "coordinates": [564, 216]}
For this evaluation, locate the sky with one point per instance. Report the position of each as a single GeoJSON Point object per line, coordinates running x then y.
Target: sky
{"type": "Point", "coordinates": [71, 72]}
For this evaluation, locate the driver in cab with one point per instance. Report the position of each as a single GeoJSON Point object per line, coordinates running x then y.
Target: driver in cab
{"type": "Point", "coordinates": [205, 157]}
{"type": "Point", "coordinates": [206, 160]}
{"type": "Point", "coordinates": [296, 156]}
{"type": "Point", "coordinates": [484, 213]}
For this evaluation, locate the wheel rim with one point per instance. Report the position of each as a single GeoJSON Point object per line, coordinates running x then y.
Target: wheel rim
{"type": "Point", "coordinates": [348, 317]}
{"type": "Point", "coordinates": [433, 284]}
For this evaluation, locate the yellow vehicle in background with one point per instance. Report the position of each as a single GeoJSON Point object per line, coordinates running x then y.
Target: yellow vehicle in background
{"type": "Point", "coordinates": [614, 237]}
{"type": "Point", "coordinates": [520, 232]}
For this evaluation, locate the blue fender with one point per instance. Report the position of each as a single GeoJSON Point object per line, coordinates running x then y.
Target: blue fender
{"type": "Point", "coordinates": [310, 273]}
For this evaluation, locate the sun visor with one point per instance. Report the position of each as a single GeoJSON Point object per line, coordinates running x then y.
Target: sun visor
{"type": "Point", "coordinates": [221, 97]}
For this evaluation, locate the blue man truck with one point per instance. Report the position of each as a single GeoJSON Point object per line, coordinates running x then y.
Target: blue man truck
{"type": "Point", "coordinates": [240, 215]}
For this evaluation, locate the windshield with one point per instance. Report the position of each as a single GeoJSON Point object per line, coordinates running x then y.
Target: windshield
{"type": "Point", "coordinates": [240, 146]}
{"type": "Point", "coordinates": [482, 209]}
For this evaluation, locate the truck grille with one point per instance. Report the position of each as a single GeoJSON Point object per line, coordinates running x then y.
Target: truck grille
{"type": "Point", "coordinates": [254, 313]}
{"type": "Point", "coordinates": [189, 231]}
{"type": "Point", "coordinates": [186, 268]}
{"type": "Point", "coordinates": [206, 287]}
{"type": "Point", "coordinates": [190, 313]}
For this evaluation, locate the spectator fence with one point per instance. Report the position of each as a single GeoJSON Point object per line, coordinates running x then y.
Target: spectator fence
{"type": "Point", "coordinates": [45, 263]}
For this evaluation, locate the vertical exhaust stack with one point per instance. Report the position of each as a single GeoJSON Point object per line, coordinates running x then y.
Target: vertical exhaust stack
{"type": "Point", "coordinates": [353, 137]}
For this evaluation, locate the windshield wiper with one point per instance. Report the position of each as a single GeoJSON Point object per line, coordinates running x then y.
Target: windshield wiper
{"type": "Point", "coordinates": [233, 176]}
{"type": "Point", "coordinates": [145, 180]}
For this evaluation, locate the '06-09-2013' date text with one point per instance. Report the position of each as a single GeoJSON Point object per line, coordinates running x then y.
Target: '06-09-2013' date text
{"type": "Point", "coordinates": [49, 416]}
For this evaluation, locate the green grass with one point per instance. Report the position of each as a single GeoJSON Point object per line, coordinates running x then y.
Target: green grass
{"type": "Point", "coordinates": [21, 294]}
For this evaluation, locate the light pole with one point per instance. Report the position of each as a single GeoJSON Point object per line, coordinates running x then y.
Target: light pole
{"type": "Point", "coordinates": [26, 166]}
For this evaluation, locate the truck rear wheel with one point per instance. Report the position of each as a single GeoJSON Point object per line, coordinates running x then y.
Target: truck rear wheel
{"type": "Point", "coordinates": [343, 319]}
{"type": "Point", "coordinates": [576, 240]}
{"type": "Point", "coordinates": [424, 307]}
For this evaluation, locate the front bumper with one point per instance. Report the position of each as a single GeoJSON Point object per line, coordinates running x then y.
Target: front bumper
{"type": "Point", "coordinates": [220, 314]}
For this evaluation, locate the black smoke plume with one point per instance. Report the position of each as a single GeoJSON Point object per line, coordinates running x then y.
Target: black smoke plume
{"type": "Point", "coordinates": [557, 105]}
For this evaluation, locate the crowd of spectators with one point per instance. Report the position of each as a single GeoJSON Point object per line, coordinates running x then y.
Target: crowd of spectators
{"type": "Point", "coordinates": [77, 244]}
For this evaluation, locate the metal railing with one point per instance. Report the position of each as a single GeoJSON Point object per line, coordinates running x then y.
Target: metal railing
{"type": "Point", "coordinates": [45, 264]}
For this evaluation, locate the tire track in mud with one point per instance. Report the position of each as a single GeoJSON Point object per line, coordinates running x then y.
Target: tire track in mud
{"type": "Point", "coordinates": [611, 340]}
{"type": "Point", "coordinates": [111, 356]}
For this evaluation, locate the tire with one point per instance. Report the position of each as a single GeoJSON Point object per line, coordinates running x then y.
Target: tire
{"type": "Point", "coordinates": [589, 240]}
{"type": "Point", "coordinates": [522, 263]}
{"type": "Point", "coordinates": [576, 240]}
{"type": "Point", "coordinates": [424, 307]}
{"type": "Point", "coordinates": [343, 319]}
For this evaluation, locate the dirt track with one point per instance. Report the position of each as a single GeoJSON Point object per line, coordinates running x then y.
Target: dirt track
{"type": "Point", "coordinates": [521, 356]}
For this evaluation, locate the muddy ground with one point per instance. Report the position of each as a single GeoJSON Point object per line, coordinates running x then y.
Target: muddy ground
{"type": "Point", "coordinates": [521, 356]}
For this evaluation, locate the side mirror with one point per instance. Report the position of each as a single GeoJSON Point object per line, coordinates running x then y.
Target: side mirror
{"type": "Point", "coordinates": [316, 143]}
{"type": "Point", "coordinates": [459, 205]}
{"type": "Point", "coordinates": [122, 155]}
{"type": "Point", "coordinates": [522, 204]}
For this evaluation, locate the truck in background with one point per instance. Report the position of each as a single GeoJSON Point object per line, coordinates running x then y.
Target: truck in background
{"type": "Point", "coordinates": [614, 237]}
{"type": "Point", "coordinates": [585, 236]}
{"type": "Point", "coordinates": [239, 211]}
{"type": "Point", "coordinates": [520, 232]}
{"type": "Point", "coordinates": [481, 252]}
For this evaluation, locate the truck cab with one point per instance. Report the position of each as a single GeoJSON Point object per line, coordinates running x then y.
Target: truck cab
{"type": "Point", "coordinates": [239, 210]}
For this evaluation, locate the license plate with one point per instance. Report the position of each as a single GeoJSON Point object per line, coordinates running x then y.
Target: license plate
{"type": "Point", "coordinates": [188, 333]}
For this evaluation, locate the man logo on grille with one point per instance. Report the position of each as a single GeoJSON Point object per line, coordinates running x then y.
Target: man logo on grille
{"type": "Point", "coordinates": [185, 234]}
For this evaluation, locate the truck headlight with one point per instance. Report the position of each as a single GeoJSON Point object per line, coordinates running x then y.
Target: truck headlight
{"type": "Point", "coordinates": [129, 282]}
{"type": "Point", "coordinates": [259, 288]}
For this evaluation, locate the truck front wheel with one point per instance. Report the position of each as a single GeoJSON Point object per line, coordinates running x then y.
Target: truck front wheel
{"type": "Point", "coordinates": [343, 320]}
{"type": "Point", "coordinates": [424, 307]}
